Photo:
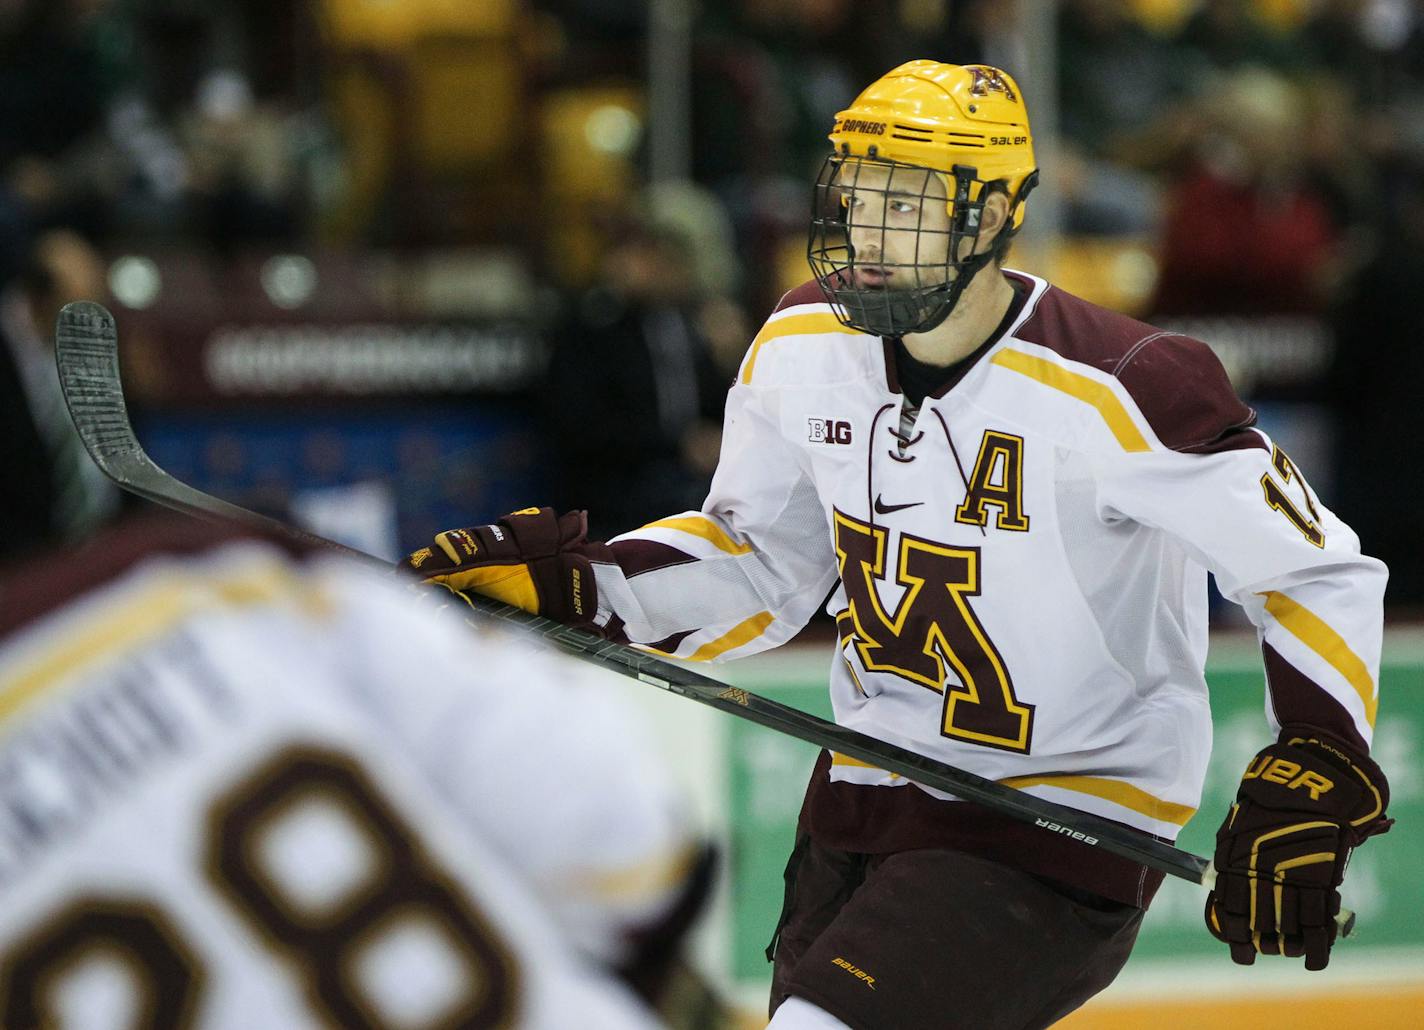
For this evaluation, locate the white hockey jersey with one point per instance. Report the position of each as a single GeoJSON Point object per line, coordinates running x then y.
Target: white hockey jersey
{"type": "Point", "coordinates": [238, 792]}
{"type": "Point", "coordinates": [1019, 571]}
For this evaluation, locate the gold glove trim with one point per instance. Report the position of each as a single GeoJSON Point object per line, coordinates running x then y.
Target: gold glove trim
{"type": "Point", "coordinates": [442, 540]}
{"type": "Point", "coordinates": [1284, 831]}
{"type": "Point", "coordinates": [1378, 810]}
{"type": "Point", "coordinates": [1319, 858]}
{"type": "Point", "coordinates": [511, 584]}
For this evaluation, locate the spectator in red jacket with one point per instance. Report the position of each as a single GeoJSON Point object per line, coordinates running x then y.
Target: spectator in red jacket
{"type": "Point", "coordinates": [1247, 229]}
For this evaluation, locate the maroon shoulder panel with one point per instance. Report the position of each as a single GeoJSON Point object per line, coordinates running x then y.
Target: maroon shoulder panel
{"type": "Point", "coordinates": [1177, 382]}
{"type": "Point", "coordinates": [35, 587]}
{"type": "Point", "coordinates": [1082, 331]}
{"type": "Point", "coordinates": [808, 292]}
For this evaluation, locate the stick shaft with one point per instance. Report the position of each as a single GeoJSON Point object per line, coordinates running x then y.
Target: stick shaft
{"type": "Point", "coordinates": [87, 353]}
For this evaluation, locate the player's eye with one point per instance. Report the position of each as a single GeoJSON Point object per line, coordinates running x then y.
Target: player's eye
{"type": "Point", "coordinates": [903, 207]}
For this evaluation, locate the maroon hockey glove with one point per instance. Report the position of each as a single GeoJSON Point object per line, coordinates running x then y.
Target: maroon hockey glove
{"type": "Point", "coordinates": [1303, 804]}
{"type": "Point", "coordinates": [532, 559]}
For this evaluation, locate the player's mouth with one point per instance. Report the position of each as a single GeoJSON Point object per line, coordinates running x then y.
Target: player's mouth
{"type": "Point", "coordinates": [872, 276]}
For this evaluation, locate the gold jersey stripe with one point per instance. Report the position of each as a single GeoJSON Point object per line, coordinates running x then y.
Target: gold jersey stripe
{"type": "Point", "coordinates": [1316, 634]}
{"type": "Point", "coordinates": [1118, 792]}
{"type": "Point", "coordinates": [144, 616]}
{"type": "Point", "coordinates": [705, 528]}
{"type": "Point", "coordinates": [1089, 391]}
{"type": "Point", "coordinates": [839, 759]}
{"type": "Point", "coordinates": [641, 880]}
{"type": "Point", "coordinates": [733, 638]}
{"type": "Point", "coordinates": [792, 325]}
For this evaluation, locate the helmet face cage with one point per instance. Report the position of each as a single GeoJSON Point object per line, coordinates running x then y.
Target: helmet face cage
{"type": "Point", "coordinates": [872, 292]}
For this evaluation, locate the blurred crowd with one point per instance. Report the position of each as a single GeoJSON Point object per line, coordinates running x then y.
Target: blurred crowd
{"type": "Point", "coordinates": [1241, 161]}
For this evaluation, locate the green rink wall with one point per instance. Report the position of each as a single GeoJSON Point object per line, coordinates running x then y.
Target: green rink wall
{"type": "Point", "coordinates": [766, 774]}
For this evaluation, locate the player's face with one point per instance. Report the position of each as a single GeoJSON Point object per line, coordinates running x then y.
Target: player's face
{"type": "Point", "coordinates": [899, 225]}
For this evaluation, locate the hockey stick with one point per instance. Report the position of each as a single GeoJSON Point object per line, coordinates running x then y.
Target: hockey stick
{"type": "Point", "coordinates": [87, 354]}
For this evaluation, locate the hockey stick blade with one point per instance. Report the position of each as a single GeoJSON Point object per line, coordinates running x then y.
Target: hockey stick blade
{"type": "Point", "coordinates": [87, 353]}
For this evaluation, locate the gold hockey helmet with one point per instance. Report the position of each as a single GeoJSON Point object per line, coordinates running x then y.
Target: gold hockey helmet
{"type": "Point", "coordinates": [941, 116]}
{"type": "Point", "coordinates": [965, 126]}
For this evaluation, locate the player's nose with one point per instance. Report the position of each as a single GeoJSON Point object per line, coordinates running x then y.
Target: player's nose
{"type": "Point", "coordinates": [866, 243]}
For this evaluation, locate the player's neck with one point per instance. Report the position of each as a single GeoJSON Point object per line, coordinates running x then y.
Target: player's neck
{"type": "Point", "coordinates": [978, 313]}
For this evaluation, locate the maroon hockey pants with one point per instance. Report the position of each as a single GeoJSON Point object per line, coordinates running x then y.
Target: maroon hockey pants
{"type": "Point", "coordinates": [939, 939]}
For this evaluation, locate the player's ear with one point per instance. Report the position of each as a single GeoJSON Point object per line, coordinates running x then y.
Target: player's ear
{"type": "Point", "coordinates": [993, 219]}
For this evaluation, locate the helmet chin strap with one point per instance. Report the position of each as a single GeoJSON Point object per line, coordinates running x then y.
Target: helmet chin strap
{"type": "Point", "coordinates": [967, 269]}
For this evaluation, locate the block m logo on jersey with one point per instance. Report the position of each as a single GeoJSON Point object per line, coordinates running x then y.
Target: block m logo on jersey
{"type": "Point", "coordinates": [933, 637]}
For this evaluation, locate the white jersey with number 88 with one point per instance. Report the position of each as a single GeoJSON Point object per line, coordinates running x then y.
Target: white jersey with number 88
{"type": "Point", "coordinates": [229, 796]}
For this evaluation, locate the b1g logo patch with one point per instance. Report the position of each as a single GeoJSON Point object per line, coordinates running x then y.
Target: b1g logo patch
{"type": "Point", "coordinates": [826, 430]}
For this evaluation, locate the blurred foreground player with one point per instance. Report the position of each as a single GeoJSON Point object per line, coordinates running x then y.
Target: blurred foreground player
{"type": "Point", "coordinates": [1016, 496]}
{"type": "Point", "coordinates": [239, 789]}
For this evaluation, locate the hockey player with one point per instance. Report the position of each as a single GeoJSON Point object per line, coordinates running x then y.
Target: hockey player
{"type": "Point", "coordinates": [1016, 496]}
{"type": "Point", "coordinates": [239, 790]}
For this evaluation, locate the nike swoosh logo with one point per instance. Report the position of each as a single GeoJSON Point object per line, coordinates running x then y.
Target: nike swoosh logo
{"type": "Point", "coordinates": [886, 509]}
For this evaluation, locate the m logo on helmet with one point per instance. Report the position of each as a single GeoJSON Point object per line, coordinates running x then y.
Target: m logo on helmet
{"type": "Point", "coordinates": [989, 80]}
